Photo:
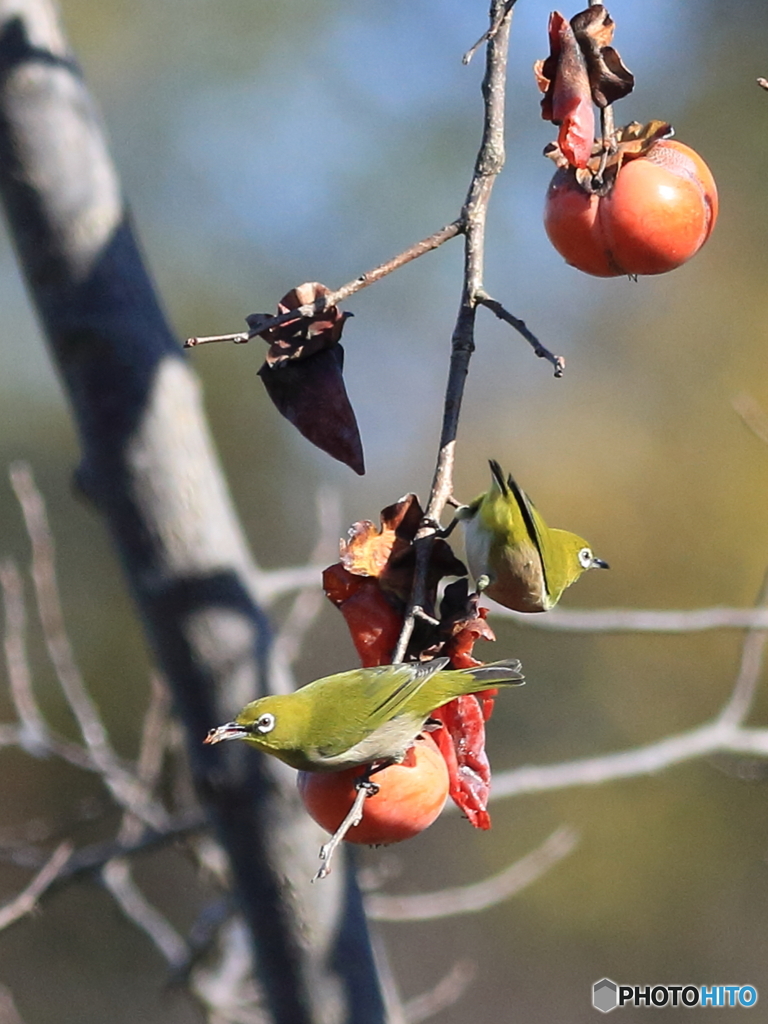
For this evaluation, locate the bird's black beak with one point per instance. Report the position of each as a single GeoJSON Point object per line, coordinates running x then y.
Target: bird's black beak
{"type": "Point", "coordinates": [598, 563]}
{"type": "Point", "coordinates": [230, 731]}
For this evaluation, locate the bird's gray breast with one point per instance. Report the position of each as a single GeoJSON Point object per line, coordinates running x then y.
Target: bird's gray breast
{"type": "Point", "coordinates": [389, 741]}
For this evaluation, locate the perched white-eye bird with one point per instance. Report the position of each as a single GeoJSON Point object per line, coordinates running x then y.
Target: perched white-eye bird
{"type": "Point", "coordinates": [513, 555]}
{"type": "Point", "coordinates": [358, 717]}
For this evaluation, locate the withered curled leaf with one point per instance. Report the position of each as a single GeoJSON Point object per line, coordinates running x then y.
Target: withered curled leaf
{"type": "Point", "coordinates": [372, 583]}
{"type": "Point", "coordinates": [609, 79]}
{"type": "Point", "coordinates": [388, 553]}
{"type": "Point", "coordinates": [303, 375]}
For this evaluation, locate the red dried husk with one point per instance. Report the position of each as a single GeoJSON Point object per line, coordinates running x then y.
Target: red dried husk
{"type": "Point", "coordinates": [462, 738]}
{"type": "Point", "coordinates": [462, 743]}
{"type": "Point", "coordinates": [564, 80]}
{"type": "Point", "coordinates": [303, 375]}
{"type": "Point", "coordinates": [373, 622]}
{"type": "Point", "coordinates": [582, 68]}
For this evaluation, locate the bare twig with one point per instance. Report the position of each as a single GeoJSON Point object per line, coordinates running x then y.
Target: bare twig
{"type": "Point", "coordinates": [519, 325]}
{"type": "Point", "coordinates": [128, 792]}
{"type": "Point", "coordinates": [52, 619]}
{"type": "Point", "coordinates": [19, 675]}
{"type": "Point", "coordinates": [703, 741]}
{"type": "Point", "coordinates": [336, 297]}
{"type": "Point", "coordinates": [638, 620]}
{"type": "Point", "coordinates": [227, 986]}
{"type": "Point", "coordinates": [116, 874]}
{"type": "Point", "coordinates": [26, 901]}
{"type": "Point", "coordinates": [274, 583]}
{"type": "Point", "coordinates": [93, 857]}
{"type": "Point", "coordinates": [8, 1012]}
{"type": "Point", "coordinates": [726, 734]}
{"type": "Point", "coordinates": [490, 33]}
{"type": "Point", "coordinates": [117, 878]}
{"type": "Point", "coordinates": [752, 652]}
{"type": "Point", "coordinates": [488, 165]}
{"type": "Point", "coordinates": [353, 818]}
{"type": "Point", "coordinates": [34, 734]}
{"type": "Point", "coordinates": [469, 899]}
{"type": "Point", "coordinates": [445, 993]}
{"type": "Point", "coordinates": [154, 733]}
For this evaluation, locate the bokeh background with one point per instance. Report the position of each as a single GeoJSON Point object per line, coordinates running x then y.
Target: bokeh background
{"type": "Point", "coordinates": [266, 144]}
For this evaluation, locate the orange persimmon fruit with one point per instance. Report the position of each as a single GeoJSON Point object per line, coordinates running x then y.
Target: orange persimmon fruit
{"type": "Point", "coordinates": [411, 796]}
{"type": "Point", "coordinates": [661, 210]}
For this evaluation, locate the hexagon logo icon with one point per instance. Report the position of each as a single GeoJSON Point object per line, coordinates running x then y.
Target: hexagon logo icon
{"type": "Point", "coordinates": [605, 995]}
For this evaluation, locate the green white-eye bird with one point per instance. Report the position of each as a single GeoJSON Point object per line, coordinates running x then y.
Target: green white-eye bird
{"type": "Point", "coordinates": [513, 555]}
{"type": "Point", "coordinates": [358, 717]}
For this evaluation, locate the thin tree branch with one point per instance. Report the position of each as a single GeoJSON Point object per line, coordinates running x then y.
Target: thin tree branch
{"type": "Point", "coordinates": [703, 741]}
{"type": "Point", "coordinates": [34, 734]}
{"type": "Point", "coordinates": [52, 619]}
{"type": "Point", "coordinates": [19, 676]}
{"type": "Point", "coordinates": [95, 856]}
{"type": "Point", "coordinates": [519, 325]}
{"type": "Point", "coordinates": [117, 878]}
{"type": "Point", "coordinates": [272, 584]}
{"type": "Point", "coordinates": [125, 788]}
{"type": "Point", "coordinates": [116, 874]}
{"type": "Point", "coordinates": [491, 32]}
{"type": "Point", "coordinates": [724, 735]}
{"type": "Point", "coordinates": [750, 668]}
{"type": "Point", "coordinates": [470, 899]}
{"type": "Point", "coordinates": [637, 620]}
{"type": "Point", "coordinates": [261, 323]}
{"type": "Point", "coordinates": [275, 583]}
{"type": "Point", "coordinates": [488, 165]}
{"type": "Point", "coordinates": [226, 986]}
{"type": "Point", "coordinates": [445, 993]}
{"type": "Point", "coordinates": [26, 901]}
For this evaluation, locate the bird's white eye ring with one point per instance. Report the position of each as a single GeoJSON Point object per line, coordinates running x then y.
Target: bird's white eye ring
{"type": "Point", "coordinates": [265, 723]}
{"type": "Point", "coordinates": [586, 558]}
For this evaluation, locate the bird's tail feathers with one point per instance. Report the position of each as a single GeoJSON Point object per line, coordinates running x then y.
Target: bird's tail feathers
{"type": "Point", "coordinates": [498, 475]}
{"type": "Point", "coordinates": [498, 672]}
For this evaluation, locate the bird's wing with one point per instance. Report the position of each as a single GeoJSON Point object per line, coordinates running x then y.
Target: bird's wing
{"type": "Point", "coordinates": [535, 526]}
{"type": "Point", "coordinates": [360, 705]}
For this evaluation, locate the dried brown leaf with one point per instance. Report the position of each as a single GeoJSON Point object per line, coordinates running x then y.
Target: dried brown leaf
{"type": "Point", "coordinates": [310, 393]}
{"type": "Point", "coordinates": [609, 79]}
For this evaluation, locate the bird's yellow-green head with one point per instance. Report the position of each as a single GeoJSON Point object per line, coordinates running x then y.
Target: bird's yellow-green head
{"type": "Point", "coordinates": [276, 725]}
{"type": "Point", "coordinates": [512, 553]}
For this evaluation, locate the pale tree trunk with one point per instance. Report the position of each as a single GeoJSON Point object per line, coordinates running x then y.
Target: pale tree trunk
{"type": "Point", "coordinates": [149, 467]}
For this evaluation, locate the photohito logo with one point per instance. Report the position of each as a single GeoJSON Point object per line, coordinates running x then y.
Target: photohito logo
{"type": "Point", "coordinates": [607, 995]}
